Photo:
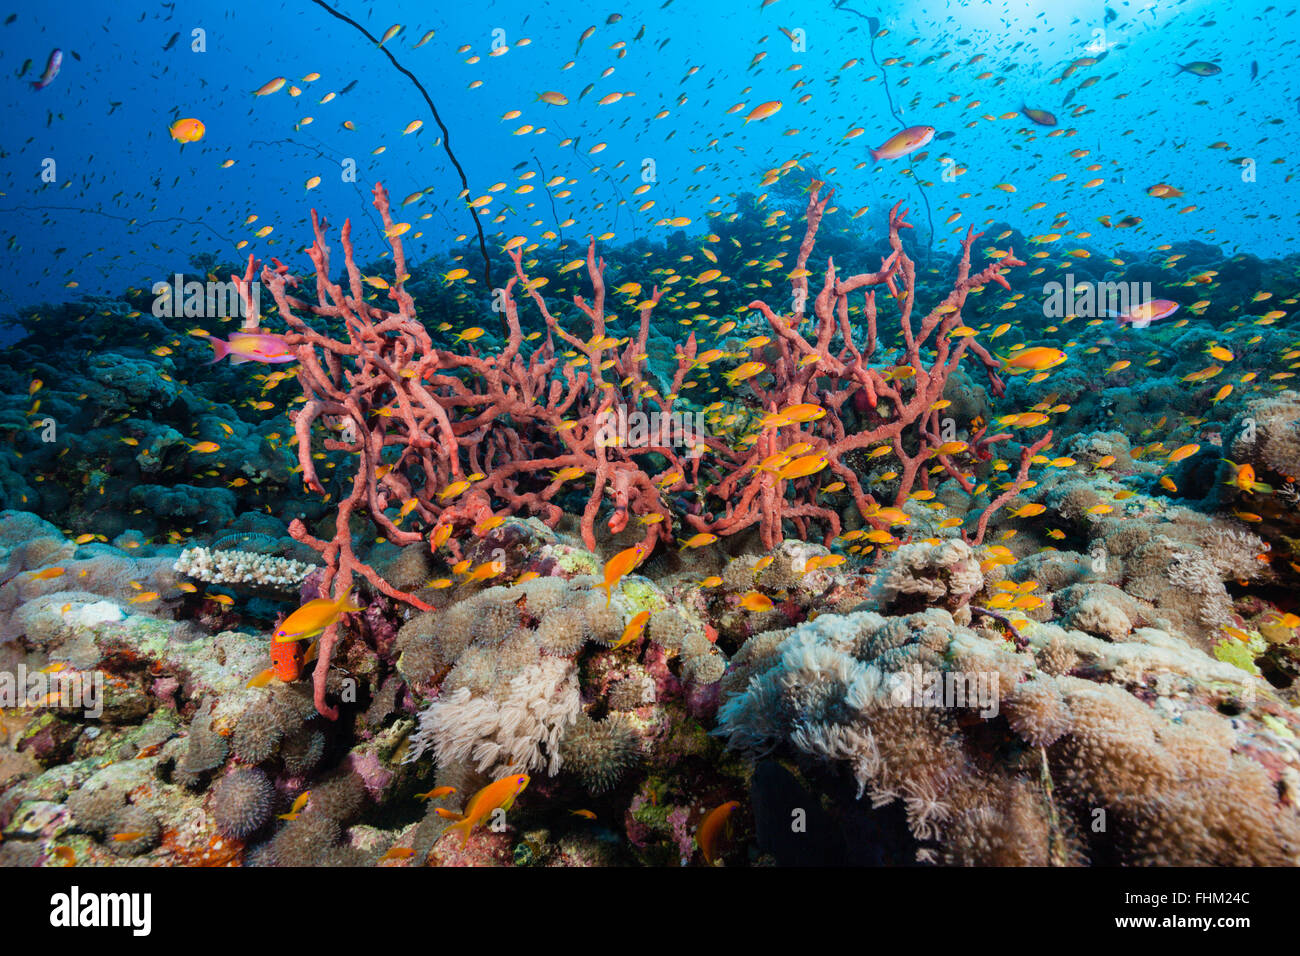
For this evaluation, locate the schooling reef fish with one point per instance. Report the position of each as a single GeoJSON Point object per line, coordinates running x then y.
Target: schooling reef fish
{"type": "Point", "coordinates": [495, 796]}
{"type": "Point", "coordinates": [52, 66]}
{"type": "Point", "coordinates": [904, 142]}
{"type": "Point", "coordinates": [314, 617]}
{"type": "Point", "coordinates": [252, 347]}
{"type": "Point", "coordinates": [1141, 316]}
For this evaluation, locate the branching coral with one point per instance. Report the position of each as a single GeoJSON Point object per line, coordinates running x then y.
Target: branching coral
{"type": "Point", "coordinates": [241, 567]}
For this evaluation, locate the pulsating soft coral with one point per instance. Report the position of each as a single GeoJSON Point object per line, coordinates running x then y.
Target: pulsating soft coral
{"type": "Point", "coordinates": [459, 439]}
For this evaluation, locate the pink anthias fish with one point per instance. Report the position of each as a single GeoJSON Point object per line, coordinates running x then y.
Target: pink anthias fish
{"type": "Point", "coordinates": [252, 347]}
{"type": "Point", "coordinates": [1142, 315]}
{"type": "Point", "coordinates": [51, 70]}
{"type": "Point", "coordinates": [900, 144]}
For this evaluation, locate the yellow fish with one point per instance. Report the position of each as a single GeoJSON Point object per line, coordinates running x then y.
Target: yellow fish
{"type": "Point", "coordinates": [1038, 359]}
{"type": "Point", "coordinates": [619, 565]}
{"type": "Point", "coordinates": [803, 467]}
{"type": "Point", "coordinates": [632, 631]}
{"type": "Point", "coordinates": [495, 796]}
{"type": "Point", "coordinates": [313, 618]}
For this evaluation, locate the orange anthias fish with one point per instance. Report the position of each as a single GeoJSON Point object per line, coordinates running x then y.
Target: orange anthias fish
{"type": "Point", "coordinates": [711, 828]}
{"type": "Point", "coordinates": [439, 536]}
{"type": "Point", "coordinates": [904, 142]}
{"type": "Point", "coordinates": [499, 795]}
{"type": "Point", "coordinates": [632, 631]}
{"type": "Point", "coordinates": [188, 130]}
{"type": "Point", "coordinates": [287, 661]}
{"type": "Point", "coordinates": [1185, 451]}
{"type": "Point", "coordinates": [763, 111]}
{"type": "Point", "coordinates": [803, 467]}
{"type": "Point", "coordinates": [1243, 477]}
{"type": "Point", "coordinates": [252, 347]}
{"type": "Point", "coordinates": [1038, 358]}
{"type": "Point", "coordinates": [314, 617]}
{"type": "Point", "coordinates": [619, 565]}
{"type": "Point", "coordinates": [435, 793]}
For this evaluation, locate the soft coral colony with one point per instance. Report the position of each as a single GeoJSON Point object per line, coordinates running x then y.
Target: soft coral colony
{"type": "Point", "coordinates": [464, 440]}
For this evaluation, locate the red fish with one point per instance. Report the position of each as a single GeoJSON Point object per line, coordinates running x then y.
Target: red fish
{"type": "Point", "coordinates": [904, 142]}
{"type": "Point", "coordinates": [52, 66]}
{"type": "Point", "coordinates": [252, 347]}
{"type": "Point", "coordinates": [287, 660]}
{"type": "Point", "coordinates": [1142, 315]}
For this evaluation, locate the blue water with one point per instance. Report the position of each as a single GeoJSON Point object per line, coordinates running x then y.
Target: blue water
{"type": "Point", "coordinates": [130, 206]}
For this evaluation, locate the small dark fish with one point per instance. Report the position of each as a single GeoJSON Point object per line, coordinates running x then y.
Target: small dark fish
{"type": "Point", "coordinates": [1254, 70]}
{"type": "Point", "coordinates": [946, 134]}
{"type": "Point", "coordinates": [873, 25]}
{"type": "Point", "coordinates": [1110, 15]}
{"type": "Point", "coordinates": [11, 18]}
{"type": "Point", "coordinates": [75, 55]}
{"type": "Point", "coordinates": [172, 42]}
{"type": "Point", "coordinates": [1041, 117]}
{"type": "Point", "coordinates": [27, 65]}
{"type": "Point", "coordinates": [348, 88]}
{"type": "Point", "coordinates": [1201, 68]}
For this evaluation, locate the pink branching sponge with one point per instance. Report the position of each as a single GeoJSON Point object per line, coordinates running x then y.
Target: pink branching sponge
{"type": "Point", "coordinates": [457, 439]}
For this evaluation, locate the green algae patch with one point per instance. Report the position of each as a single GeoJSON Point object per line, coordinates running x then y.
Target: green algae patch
{"type": "Point", "coordinates": [640, 595]}
{"type": "Point", "coordinates": [577, 562]}
{"type": "Point", "coordinates": [1238, 655]}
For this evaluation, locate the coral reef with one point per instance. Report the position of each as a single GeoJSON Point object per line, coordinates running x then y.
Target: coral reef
{"type": "Point", "coordinates": [960, 606]}
{"type": "Point", "coordinates": [468, 439]}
